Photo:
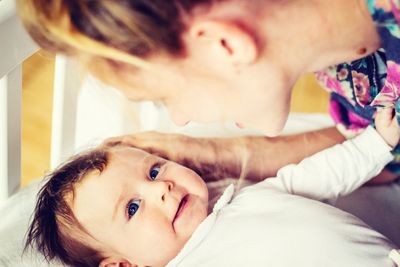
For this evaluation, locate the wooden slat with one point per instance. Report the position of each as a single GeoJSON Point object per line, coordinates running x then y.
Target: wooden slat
{"type": "Point", "coordinates": [37, 97]}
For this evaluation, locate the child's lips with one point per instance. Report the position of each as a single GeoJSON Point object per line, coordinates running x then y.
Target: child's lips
{"type": "Point", "coordinates": [181, 207]}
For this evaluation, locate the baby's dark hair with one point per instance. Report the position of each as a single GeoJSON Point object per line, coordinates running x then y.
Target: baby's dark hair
{"type": "Point", "coordinates": [54, 230]}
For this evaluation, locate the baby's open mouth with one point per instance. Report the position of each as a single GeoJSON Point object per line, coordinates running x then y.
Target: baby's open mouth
{"type": "Point", "coordinates": [181, 207]}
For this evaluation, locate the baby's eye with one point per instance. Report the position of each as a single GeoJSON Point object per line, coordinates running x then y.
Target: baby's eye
{"type": "Point", "coordinates": [154, 172]}
{"type": "Point", "coordinates": [132, 208]}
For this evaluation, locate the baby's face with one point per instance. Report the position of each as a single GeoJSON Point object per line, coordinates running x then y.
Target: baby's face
{"type": "Point", "coordinates": [141, 208]}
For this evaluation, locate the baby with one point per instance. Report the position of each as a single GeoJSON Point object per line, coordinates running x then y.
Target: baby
{"type": "Point", "coordinates": [120, 206]}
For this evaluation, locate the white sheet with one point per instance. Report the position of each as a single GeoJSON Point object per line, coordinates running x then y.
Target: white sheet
{"type": "Point", "coordinates": [103, 112]}
{"type": "Point", "coordinates": [16, 212]}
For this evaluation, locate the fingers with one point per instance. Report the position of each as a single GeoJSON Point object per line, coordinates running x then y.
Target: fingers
{"type": "Point", "coordinates": [387, 126]}
{"type": "Point", "coordinates": [384, 117]}
{"type": "Point", "coordinates": [138, 139]}
{"type": "Point", "coordinates": [115, 141]}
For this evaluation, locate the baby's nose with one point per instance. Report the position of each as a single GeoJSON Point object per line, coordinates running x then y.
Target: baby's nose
{"type": "Point", "coordinates": [163, 190]}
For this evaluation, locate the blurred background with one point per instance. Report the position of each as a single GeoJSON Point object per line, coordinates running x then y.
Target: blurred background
{"type": "Point", "coordinates": [38, 71]}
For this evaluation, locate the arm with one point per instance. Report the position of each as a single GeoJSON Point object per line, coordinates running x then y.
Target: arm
{"type": "Point", "coordinates": [267, 155]}
{"type": "Point", "coordinates": [338, 170]}
{"type": "Point", "coordinates": [343, 168]}
{"type": "Point", "coordinates": [216, 158]}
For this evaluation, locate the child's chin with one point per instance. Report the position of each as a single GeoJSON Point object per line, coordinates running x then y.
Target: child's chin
{"type": "Point", "coordinates": [193, 215]}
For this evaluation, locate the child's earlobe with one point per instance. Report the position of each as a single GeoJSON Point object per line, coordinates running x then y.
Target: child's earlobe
{"type": "Point", "coordinates": [115, 262]}
{"type": "Point", "coordinates": [226, 39]}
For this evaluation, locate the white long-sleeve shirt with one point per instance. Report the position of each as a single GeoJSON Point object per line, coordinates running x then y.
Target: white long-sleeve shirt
{"type": "Point", "coordinates": [278, 222]}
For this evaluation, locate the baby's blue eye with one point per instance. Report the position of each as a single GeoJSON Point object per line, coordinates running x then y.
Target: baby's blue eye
{"type": "Point", "coordinates": [154, 172]}
{"type": "Point", "coordinates": [132, 208]}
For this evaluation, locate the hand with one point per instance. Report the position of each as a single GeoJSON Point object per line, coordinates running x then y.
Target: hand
{"type": "Point", "coordinates": [387, 126]}
{"type": "Point", "coordinates": [211, 158]}
{"type": "Point", "coordinates": [255, 157]}
{"type": "Point", "coordinates": [169, 146]}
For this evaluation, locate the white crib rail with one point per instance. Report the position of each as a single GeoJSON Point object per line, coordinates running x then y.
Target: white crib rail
{"type": "Point", "coordinates": [15, 47]}
{"type": "Point", "coordinates": [66, 87]}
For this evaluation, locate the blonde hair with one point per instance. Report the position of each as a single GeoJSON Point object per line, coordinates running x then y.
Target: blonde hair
{"type": "Point", "coordinates": [125, 31]}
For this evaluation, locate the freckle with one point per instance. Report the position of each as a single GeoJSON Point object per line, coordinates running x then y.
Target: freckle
{"type": "Point", "coordinates": [362, 51]}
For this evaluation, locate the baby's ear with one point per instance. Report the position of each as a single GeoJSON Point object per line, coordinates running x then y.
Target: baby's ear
{"type": "Point", "coordinates": [115, 262]}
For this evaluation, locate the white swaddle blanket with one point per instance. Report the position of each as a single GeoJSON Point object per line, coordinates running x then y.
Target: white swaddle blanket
{"type": "Point", "coordinates": [378, 206]}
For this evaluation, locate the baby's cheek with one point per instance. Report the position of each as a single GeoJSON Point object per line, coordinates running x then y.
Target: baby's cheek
{"type": "Point", "coordinates": [202, 190]}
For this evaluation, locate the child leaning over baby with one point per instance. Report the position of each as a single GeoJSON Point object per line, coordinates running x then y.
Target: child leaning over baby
{"type": "Point", "coordinates": [120, 206]}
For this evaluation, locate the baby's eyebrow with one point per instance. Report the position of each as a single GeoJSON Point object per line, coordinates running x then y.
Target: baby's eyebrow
{"type": "Point", "coordinates": [118, 205]}
{"type": "Point", "coordinates": [147, 160]}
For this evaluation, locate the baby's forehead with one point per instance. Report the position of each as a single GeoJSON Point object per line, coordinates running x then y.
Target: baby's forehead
{"type": "Point", "coordinates": [126, 156]}
{"type": "Point", "coordinates": [123, 163]}
{"type": "Point", "coordinates": [126, 149]}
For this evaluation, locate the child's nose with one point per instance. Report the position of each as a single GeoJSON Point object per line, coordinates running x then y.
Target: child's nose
{"type": "Point", "coordinates": [163, 190]}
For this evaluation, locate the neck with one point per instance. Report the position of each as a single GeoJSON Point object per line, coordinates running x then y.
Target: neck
{"type": "Point", "coordinates": [348, 31]}
{"type": "Point", "coordinates": [322, 33]}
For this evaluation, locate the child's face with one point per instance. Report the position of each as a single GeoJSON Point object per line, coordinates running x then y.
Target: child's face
{"type": "Point", "coordinates": [141, 208]}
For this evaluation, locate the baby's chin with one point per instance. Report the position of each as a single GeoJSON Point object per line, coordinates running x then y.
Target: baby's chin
{"type": "Point", "coordinates": [184, 235]}
{"type": "Point", "coordinates": [193, 214]}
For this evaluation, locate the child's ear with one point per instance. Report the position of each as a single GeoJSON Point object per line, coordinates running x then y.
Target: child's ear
{"type": "Point", "coordinates": [115, 262]}
{"type": "Point", "coordinates": [225, 40]}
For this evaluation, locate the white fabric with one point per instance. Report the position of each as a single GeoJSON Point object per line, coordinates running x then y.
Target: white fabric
{"type": "Point", "coordinates": [378, 206]}
{"type": "Point", "coordinates": [272, 223]}
{"type": "Point", "coordinates": [15, 216]}
{"type": "Point", "coordinates": [103, 112]}
{"type": "Point", "coordinates": [395, 256]}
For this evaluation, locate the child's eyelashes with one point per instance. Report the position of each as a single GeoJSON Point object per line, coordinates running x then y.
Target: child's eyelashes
{"type": "Point", "coordinates": [132, 207]}
{"type": "Point", "coordinates": [154, 171]}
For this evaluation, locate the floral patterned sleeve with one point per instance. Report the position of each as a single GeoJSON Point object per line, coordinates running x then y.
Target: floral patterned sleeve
{"type": "Point", "coordinates": [359, 87]}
